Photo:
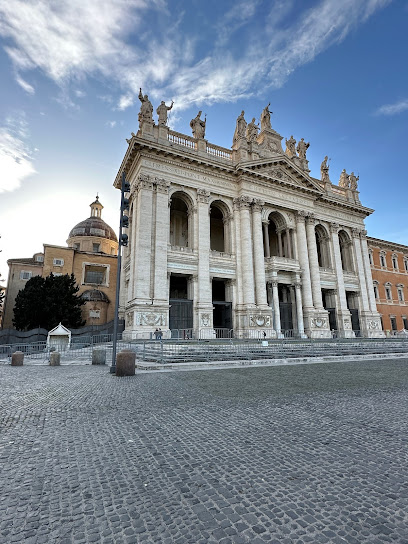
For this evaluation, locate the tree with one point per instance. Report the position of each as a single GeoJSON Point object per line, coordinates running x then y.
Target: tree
{"type": "Point", "coordinates": [45, 302]}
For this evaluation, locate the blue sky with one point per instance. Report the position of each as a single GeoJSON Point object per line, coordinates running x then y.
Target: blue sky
{"type": "Point", "coordinates": [335, 73]}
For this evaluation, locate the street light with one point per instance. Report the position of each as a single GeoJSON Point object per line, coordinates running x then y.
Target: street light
{"type": "Point", "coordinates": [123, 241]}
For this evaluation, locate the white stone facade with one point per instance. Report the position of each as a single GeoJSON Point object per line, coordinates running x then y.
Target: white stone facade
{"type": "Point", "coordinates": [241, 239]}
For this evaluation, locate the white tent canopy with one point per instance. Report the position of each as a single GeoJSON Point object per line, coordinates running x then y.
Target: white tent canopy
{"type": "Point", "coordinates": [59, 338]}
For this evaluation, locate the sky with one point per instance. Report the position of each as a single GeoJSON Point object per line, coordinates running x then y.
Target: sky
{"type": "Point", "coordinates": [335, 73]}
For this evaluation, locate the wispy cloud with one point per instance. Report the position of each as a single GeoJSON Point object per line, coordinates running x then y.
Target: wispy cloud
{"type": "Point", "coordinates": [393, 109]}
{"type": "Point", "coordinates": [69, 41]}
{"type": "Point", "coordinates": [16, 161]}
{"type": "Point", "coordinates": [24, 85]}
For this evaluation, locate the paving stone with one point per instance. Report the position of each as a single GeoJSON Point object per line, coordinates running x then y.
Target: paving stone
{"type": "Point", "coordinates": [290, 454]}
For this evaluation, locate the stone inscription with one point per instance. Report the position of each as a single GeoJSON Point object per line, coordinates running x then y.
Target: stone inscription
{"type": "Point", "coordinates": [185, 173]}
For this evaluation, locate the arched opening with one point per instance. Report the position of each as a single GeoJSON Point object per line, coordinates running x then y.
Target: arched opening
{"type": "Point", "coordinates": [345, 251]}
{"type": "Point", "coordinates": [273, 239]}
{"type": "Point", "coordinates": [322, 245]}
{"type": "Point", "coordinates": [277, 237]}
{"type": "Point", "coordinates": [179, 235]}
{"type": "Point", "coordinates": [217, 234]}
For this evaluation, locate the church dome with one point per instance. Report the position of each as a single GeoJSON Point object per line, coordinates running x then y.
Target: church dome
{"type": "Point", "coordinates": [94, 225]}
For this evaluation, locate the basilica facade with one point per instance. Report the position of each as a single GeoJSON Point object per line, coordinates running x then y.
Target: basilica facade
{"type": "Point", "coordinates": [240, 239]}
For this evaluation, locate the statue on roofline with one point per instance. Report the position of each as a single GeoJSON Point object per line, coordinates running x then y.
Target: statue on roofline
{"type": "Point", "coordinates": [266, 118]}
{"type": "Point", "coordinates": [240, 127]}
{"type": "Point", "coordinates": [146, 109]}
{"type": "Point", "coordinates": [344, 179]}
{"type": "Point", "coordinates": [198, 126]}
{"type": "Point", "coordinates": [162, 110]}
{"type": "Point", "coordinates": [290, 150]}
{"type": "Point", "coordinates": [252, 131]}
{"type": "Point", "coordinates": [302, 147]}
{"type": "Point", "coordinates": [353, 181]}
{"type": "Point", "coordinates": [324, 170]}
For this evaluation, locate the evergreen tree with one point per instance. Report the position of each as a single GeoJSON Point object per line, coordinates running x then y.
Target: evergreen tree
{"type": "Point", "coordinates": [45, 302]}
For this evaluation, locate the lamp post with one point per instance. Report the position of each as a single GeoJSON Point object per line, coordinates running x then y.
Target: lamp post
{"type": "Point", "coordinates": [123, 241]}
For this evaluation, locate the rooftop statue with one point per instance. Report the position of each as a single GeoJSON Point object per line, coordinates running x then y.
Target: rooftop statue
{"type": "Point", "coordinates": [353, 181]}
{"type": "Point", "coordinates": [266, 118]}
{"type": "Point", "coordinates": [252, 130]}
{"type": "Point", "coordinates": [146, 109]}
{"type": "Point", "coordinates": [302, 147]}
{"type": "Point", "coordinates": [290, 150]}
{"type": "Point", "coordinates": [240, 127]}
{"type": "Point", "coordinates": [324, 170]}
{"type": "Point", "coordinates": [162, 112]}
{"type": "Point", "coordinates": [344, 180]}
{"type": "Point", "coordinates": [198, 126]}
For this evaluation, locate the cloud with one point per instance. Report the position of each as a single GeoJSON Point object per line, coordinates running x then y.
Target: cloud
{"type": "Point", "coordinates": [393, 109]}
{"type": "Point", "coordinates": [140, 43]}
{"type": "Point", "coordinates": [24, 85]}
{"type": "Point", "coordinates": [16, 161]}
{"type": "Point", "coordinates": [111, 124]}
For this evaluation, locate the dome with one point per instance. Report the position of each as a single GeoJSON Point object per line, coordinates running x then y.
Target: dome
{"type": "Point", "coordinates": [93, 226]}
{"type": "Point", "coordinates": [94, 295]}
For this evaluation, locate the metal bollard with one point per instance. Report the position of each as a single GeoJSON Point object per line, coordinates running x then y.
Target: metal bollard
{"type": "Point", "coordinates": [17, 358]}
{"type": "Point", "coordinates": [125, 363]}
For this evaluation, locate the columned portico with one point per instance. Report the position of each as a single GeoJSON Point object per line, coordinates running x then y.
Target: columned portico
{"type": "Point", "coordinates": [259, 244]}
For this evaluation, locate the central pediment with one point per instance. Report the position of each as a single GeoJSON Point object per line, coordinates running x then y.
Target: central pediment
{"type": "Point", "coordinates": [281, 170]}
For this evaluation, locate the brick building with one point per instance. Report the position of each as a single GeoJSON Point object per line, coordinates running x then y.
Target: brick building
{"type": "Point", "coordinates": [90, 254]}
{"type": "Point", "coordinates": [389, 269]}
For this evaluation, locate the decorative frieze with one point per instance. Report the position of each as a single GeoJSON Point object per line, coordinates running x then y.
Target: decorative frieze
{"type": "Point", "coordinates": [150, 319]}
{"type": "Point", "coordinates": [259, 320]}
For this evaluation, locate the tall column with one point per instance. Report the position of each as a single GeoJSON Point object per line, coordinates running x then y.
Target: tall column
{"type": "Point", "coordinates": [160, 292]}
{"type": "Point", "coordinates": [247, 265]}
{"type": "Point", "coordinates": [276, 309]}
{"type": "Point", "coordinates": [204, 303]}
{"type": "Point", "coordinates": [259, 260]}
{"type": "Point", "coordinates": [304, 260]}
{"type": "Point", "coordinates": [343, 313]}
{"type": "Point", "coordinates": [143, 247]}
{"type": "Point", "coordinates": [360, 270]}
{"type": "Point", "coordinates": [237, 250]}
{"type": "Point", "coordinates": [280, 249]}
{"type": "Point", "coordinates": [289, 242]}
{"type": "Point", "coordinates": [313, 263]}
{"type": "Point", "coordinates": [367, 271]}
{"type": "Point", "coordinates": [265, 226]}
{"type": "Point", "coordinates": [299, 310]}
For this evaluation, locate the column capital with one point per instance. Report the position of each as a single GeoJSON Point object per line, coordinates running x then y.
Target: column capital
{"type": "Point", "coordinates": [162, 186]}
{"type": "Point", "coordinates": [242, 202]}
{"type": "Point", "coordinates": [355, 233]}
{"type": "Point", "coordinates": [144, 181]}
{"type": "Point", "coordinates": [203, 196]}
{"type": "Point", "coordinates": [300, 216]}
{"type": "Point", "coordinates": [257, 205]}
{"type": "Point", "coordinates": [310, 219]}
{"type": "Point", "coordinates": [334, 227]}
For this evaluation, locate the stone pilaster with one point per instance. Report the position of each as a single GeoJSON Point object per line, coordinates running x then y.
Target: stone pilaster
{"type": "Point", "coordinates": [247, 265]}
{"type": "Point", "coordinates": [276, 308]}
{"type": "Point", "coordinates": [142, 247]}
{"type": "Point", "coordinates": [303, 257]}
{"type": "Point", "coordinates": [299, 309]}
{"type": "Point", "coordinates": [204, 306]}
{"type": "Point", "coordinates": [259, 260]}
{"type": "Point", "coordinates": [343, 313]}
{"type": "Point", "coordinates": [162, 227]}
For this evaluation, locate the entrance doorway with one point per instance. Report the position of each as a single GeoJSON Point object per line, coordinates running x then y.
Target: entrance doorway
{"type": "Point", "coordinates": [181, 308]}
{"type": "Point", "coordinates": [329, 304]}
{"type": "Point", "coordinates": [352, 304]}
{"type": "Point", "coordinates": [285, 308]}
{"type": "Point", "coordinates": [222, 312]}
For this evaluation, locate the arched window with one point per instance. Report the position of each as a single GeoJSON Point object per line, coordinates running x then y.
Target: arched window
{"type": "Point", "coordinates": [346, 251]}
{"type": "Point", "coordinates": [322, 245]}
{"type": "Point", "coordinates": [217, 233]}
{"type": "Point", "coordinates": [279, 237]}
{"type": "Point", "coordinates": [376, 291]}
{"type": "Point", "coordinates": [179, 232]}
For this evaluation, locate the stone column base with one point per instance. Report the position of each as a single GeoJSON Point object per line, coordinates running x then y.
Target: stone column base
{"type": "Point", "coordinates": [344, 326]}
{"type": "Point", "coordinates": [317, 324]}
{"type": "Point", "coordinates": [141, 321]}
{"type": "Point", "coordinates": [370, 325]}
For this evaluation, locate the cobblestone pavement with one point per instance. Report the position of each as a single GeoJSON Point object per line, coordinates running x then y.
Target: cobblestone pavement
{"type": "Point", "coordinates": [290, 454]}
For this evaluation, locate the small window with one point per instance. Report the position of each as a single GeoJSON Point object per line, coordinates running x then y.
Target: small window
{"type": "Point", "coordinates": [370, 258]}
{"type": "Point", "coordinates": [25, 274]}
{"type": "Point", "coordinates": [95, 314]}
{"type": "Point", "coordinates": [406, 264]}
{"type": "Point", "coordinates": [40, 258]}
{"type": "Point", "coordinates": [405, 322]}
{"type": "Point", "coordinates": [401, 294]}
{"type": "Point", "coordinates": [395, 262]}
{"type": "Point", "coordinates": [382, 260]}
{"type": "Point", "coordinates": [393, 320]}
{"type": "Point", "coordinates": [388, 293]}
{"type": "Point", "coordinates": [96, 248]}
{"type": "Point", "coordinates": [376, 293]}
{"type": "Point", "coordinates": [95, 274]}
{"type": "Point", "coordinates": [58, 262]}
